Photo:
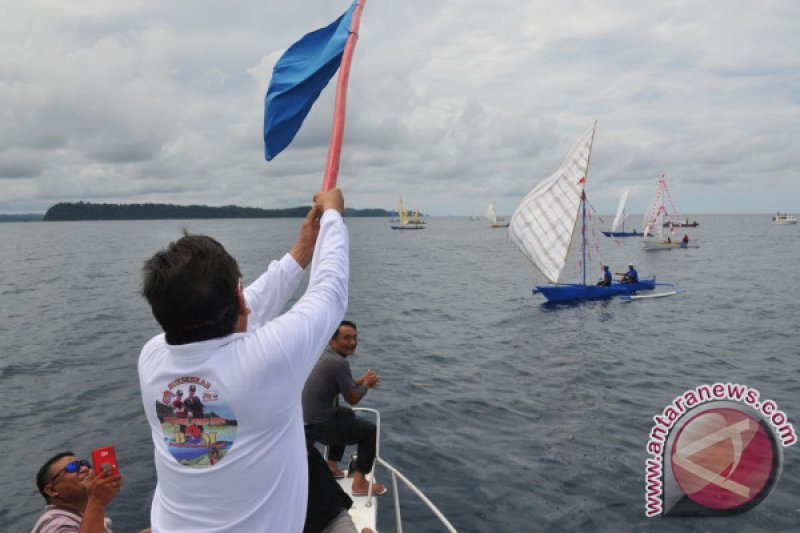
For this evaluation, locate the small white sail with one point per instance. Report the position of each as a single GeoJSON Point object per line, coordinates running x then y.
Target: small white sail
{"type": "Point", "coordinates": [543, 224]}
{"type": "Point", "coordinates": [621, 209]}
{"type": "Point", "coordinates": [491, 214]}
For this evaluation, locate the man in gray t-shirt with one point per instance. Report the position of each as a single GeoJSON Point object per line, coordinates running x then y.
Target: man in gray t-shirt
{"type": "Point", "coordinates": [328, 422]}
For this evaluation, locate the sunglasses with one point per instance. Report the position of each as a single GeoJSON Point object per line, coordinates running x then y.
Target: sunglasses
{"type": "Point", "coordinates": [72, 467]}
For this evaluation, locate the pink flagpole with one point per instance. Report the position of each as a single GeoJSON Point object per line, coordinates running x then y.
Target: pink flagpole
{"type": "Point", "coordinates": [335, 146]}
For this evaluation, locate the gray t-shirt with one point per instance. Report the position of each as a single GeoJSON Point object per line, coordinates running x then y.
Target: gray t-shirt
{"type": "Point", "coordinates": [330, 377]}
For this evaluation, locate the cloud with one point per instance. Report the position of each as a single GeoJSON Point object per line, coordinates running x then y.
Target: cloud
{"type": "Point", "coordinates": [451, 103]}
{"type": "Point", "coordinates": [20, 164]}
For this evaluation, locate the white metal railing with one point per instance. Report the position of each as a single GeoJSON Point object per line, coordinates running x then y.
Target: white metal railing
{"type": "Point", "coordinates": [396, 474]}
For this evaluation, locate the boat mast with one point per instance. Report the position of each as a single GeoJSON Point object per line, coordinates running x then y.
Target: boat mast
{"type": "Point", "coordinates": [583, 201]}
{"type": "Point", "coordinates": [583, 232]}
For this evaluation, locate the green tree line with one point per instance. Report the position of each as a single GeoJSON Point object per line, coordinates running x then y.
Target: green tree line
{"type": "Point", "coordinates": [89, 211]}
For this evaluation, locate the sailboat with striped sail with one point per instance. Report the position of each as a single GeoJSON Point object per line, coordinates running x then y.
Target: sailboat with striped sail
{"type": "Point", "coordinates": [544, 224]}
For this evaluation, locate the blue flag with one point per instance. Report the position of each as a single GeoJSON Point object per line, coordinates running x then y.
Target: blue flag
{"type": "Point", "coordinates": [297, 80]}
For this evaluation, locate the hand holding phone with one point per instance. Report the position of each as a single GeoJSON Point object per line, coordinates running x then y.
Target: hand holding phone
{"type": "Point", "coordinates": [105, 460]}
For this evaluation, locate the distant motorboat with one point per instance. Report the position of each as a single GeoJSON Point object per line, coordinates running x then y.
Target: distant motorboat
{"type": "Point", "coordinates": [783, 218]}
{"type": "Point", "coordinates": [681, 224]}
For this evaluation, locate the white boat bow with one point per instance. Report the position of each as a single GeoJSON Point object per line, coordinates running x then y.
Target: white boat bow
{"type": "Point", "coordinates": [365, 508]}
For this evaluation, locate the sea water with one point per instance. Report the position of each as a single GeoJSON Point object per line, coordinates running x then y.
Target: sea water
{"type": "Point", "coordinates": [509, 414]}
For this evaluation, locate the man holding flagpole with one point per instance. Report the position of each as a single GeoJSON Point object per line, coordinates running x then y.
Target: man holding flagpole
{"type": "Point", "coordinates": [229, 342]}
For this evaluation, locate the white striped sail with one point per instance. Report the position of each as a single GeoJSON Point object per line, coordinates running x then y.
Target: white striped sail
{"type": "Point", "coordinates": [543, 224]}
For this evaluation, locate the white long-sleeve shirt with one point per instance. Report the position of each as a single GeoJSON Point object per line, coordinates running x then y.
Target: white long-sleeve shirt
{"type": "Point", "coordinates": [242, 465]}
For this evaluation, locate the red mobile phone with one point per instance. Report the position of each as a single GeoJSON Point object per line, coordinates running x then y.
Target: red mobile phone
{"type": "Point", "coordinates": [104, 458]}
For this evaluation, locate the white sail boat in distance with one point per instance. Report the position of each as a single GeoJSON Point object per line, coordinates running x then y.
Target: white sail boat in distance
{"type": "Point", "coordinates": [491, 216]}
{"type": "Point", "coordinates": [618, 226]}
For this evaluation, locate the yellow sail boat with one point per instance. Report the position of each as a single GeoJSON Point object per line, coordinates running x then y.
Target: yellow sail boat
{"type": "Point", "coordinates": [404, 221]}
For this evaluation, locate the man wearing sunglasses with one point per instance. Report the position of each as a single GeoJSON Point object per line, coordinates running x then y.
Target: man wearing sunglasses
{"type": "Point", "coordinates": [76, 497]}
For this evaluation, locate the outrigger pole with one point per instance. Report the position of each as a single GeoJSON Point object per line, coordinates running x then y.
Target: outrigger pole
{"type": "Point", "coordinates": [335, 146]}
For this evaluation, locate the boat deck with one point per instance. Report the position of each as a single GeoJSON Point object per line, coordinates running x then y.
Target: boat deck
{"type": "Point", "coordinates": [364, 511]}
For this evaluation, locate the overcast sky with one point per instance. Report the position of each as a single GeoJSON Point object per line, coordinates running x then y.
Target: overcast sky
{"type": "Point", "coordinates": [451, 103]}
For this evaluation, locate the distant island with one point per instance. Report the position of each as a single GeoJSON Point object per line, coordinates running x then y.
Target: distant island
{"type": "Point", "coordinates": [22, 217]}
{"type": "Point", "coordinates": [90, 211]}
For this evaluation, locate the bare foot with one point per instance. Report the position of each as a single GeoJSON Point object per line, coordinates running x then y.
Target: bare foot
{"type": "Point", "coordinates": [367, 530]}
{"type": "Point", "coordinates": [361, 490]}
{"type": "Point", "coordinates": [335, 470]}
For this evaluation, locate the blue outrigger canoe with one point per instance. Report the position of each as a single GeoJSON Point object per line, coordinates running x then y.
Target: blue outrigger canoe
{"type": "Point", "coordinates": [633, 233]}
{"type": "Point", "coordinates": [545, 222]}
{"type": "Point", "coordinates": [567, 292]}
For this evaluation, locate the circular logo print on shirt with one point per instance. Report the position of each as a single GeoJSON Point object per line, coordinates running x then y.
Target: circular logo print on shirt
{"type": "Point", "coordinates": [199, 427]}
{"type": "Point", "coordinates": [724, 459]}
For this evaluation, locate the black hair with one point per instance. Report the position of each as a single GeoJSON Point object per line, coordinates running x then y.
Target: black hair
{"type": "Point", "coordinates": [191, 287]}
{"type": "Point", "coordinates": [43, 476]}
{"type": "Point", "coordinates": [344, 323]}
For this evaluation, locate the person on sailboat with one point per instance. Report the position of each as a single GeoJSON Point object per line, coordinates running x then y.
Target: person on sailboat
{"type": "Point", "coordinates": [606, 281]}
{"type": "Point", "coordinates": [685, 239]}
{"type": "Point", "coordinates": [631, 276]}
